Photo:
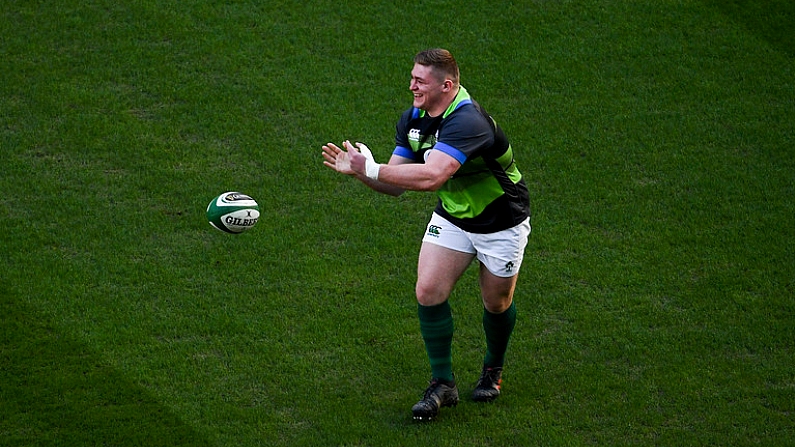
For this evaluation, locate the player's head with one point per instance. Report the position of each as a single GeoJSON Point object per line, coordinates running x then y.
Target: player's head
{"type": "Point", "coordinates": [434, 80]}
{"type": "Point", "coordinates": [442, 62]}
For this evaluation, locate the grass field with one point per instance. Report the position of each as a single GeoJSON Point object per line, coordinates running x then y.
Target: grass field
{"type": "Point", "coordinates": [656, 302]}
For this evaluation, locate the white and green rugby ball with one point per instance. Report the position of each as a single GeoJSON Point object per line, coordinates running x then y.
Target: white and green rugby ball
{"type": "Point", "coordinates": [233, 212]}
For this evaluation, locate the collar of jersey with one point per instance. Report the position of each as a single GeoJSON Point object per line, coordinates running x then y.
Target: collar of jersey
{"type": "Point", "coordinates": [461, 99]}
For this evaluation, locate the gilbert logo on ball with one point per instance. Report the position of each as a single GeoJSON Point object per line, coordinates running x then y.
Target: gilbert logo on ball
{"type": "Point", "coordinates": [233, 212]}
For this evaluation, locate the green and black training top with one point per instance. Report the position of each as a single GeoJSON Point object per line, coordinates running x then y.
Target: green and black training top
{"type": "Point", "coordinates": [487, 194]}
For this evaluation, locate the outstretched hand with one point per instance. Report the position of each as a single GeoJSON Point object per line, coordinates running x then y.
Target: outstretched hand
{"type": "Point", "coordinates": [337, 159]}
{"type": "Point", "coordinates": [349, 163]}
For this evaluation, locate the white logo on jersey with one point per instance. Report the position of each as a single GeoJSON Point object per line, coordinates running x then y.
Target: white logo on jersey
{"type": "Point", "coordinates": [414, 135]}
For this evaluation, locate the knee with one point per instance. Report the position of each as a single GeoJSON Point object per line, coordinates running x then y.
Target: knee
{"type": "Point", "coordinates": [430, 295]}
{"type": "Point", "coordinates": [497, 306]}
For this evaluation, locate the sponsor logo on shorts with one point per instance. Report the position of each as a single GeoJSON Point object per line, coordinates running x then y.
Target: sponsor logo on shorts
{"type": "Point", "coordinates": [434, 230]}
{"type": "Point", "coordinates": [509, 266]}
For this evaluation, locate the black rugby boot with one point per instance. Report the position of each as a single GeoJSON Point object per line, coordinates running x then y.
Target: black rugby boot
{"type": "Point", "coordinates": [440, 393]}
{"type": "Point", "coordinates": [488, 387]}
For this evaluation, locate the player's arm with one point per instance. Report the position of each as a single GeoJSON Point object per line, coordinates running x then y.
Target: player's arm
{"type": "Point", "coordinates": [401, 172]}
{"type": "Point", "coordinates": [428, 176]}
{"type": "Point", "coordinates": [383, 187]}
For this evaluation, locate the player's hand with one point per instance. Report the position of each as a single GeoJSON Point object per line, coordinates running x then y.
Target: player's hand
{"type": "Point", "coordinates": [351, 162]}
{"type": "Point", "coordinates": [337, 159]}
{"type": "Point", "coordinates": [356, 158]}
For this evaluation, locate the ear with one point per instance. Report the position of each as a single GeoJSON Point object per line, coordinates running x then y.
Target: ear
{"type": "Point", "coordinates": [447, 85]}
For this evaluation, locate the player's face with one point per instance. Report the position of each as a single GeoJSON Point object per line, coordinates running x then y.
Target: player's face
{"type": "Point", "coordinates": [427, 90]}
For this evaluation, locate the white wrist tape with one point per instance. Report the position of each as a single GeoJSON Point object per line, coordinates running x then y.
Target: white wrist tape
{"type": "Point", "coordinates": [371, 169]}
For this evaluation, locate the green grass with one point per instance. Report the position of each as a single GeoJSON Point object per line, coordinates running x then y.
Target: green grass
{"type": "Point", "coordinates": [656, 300]}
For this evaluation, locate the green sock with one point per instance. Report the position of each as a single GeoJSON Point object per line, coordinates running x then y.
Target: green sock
{"type": "Point", "coordinates": [498, 329]}
{"type": "Point", "coordinates": [436, 326]}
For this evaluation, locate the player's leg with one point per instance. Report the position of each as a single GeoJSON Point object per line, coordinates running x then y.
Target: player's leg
{"type": "Point", "coordinates": [496, 291]}
{"type": "Point", "coordinates": [499, 320]}
{"type": "Point", "coordinates": [438, 270]}
{"type": "Point", "coordinates": [499, 316]}
{"type": "Point", "coordinates": [501, 256]}
{"type": "Point", "coordinates": [444, 256]}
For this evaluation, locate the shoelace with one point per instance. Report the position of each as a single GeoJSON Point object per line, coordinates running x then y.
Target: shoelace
{"type": "Point", "coordinates": [432, 388]}
{"type": "Point", "coordinates": [490, 377]}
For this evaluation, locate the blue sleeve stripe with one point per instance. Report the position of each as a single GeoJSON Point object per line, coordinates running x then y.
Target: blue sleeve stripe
{"type": "Point", "coordinates": [464, 102]}
{"type": "Point", "coordinates": [404, 152]}
{"type": "Point", "coordinates": [451, 151]}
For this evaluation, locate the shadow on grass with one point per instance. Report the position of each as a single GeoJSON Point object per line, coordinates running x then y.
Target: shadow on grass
{"type": "Point", "coordinates": [770, 20]}
{"type": "Point", "coordinates": [55, 391]}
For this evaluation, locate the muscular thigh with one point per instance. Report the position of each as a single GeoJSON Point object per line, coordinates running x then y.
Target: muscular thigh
{"type": "Point", "coordinates": [438, 270]}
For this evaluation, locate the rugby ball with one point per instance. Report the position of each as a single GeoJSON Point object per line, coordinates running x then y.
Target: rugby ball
{"type": "Point", "coordinates": [233, 212]}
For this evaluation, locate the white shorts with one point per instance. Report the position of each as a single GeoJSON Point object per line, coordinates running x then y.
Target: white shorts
{"type": "Point", "coordinates": [501, 252]}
